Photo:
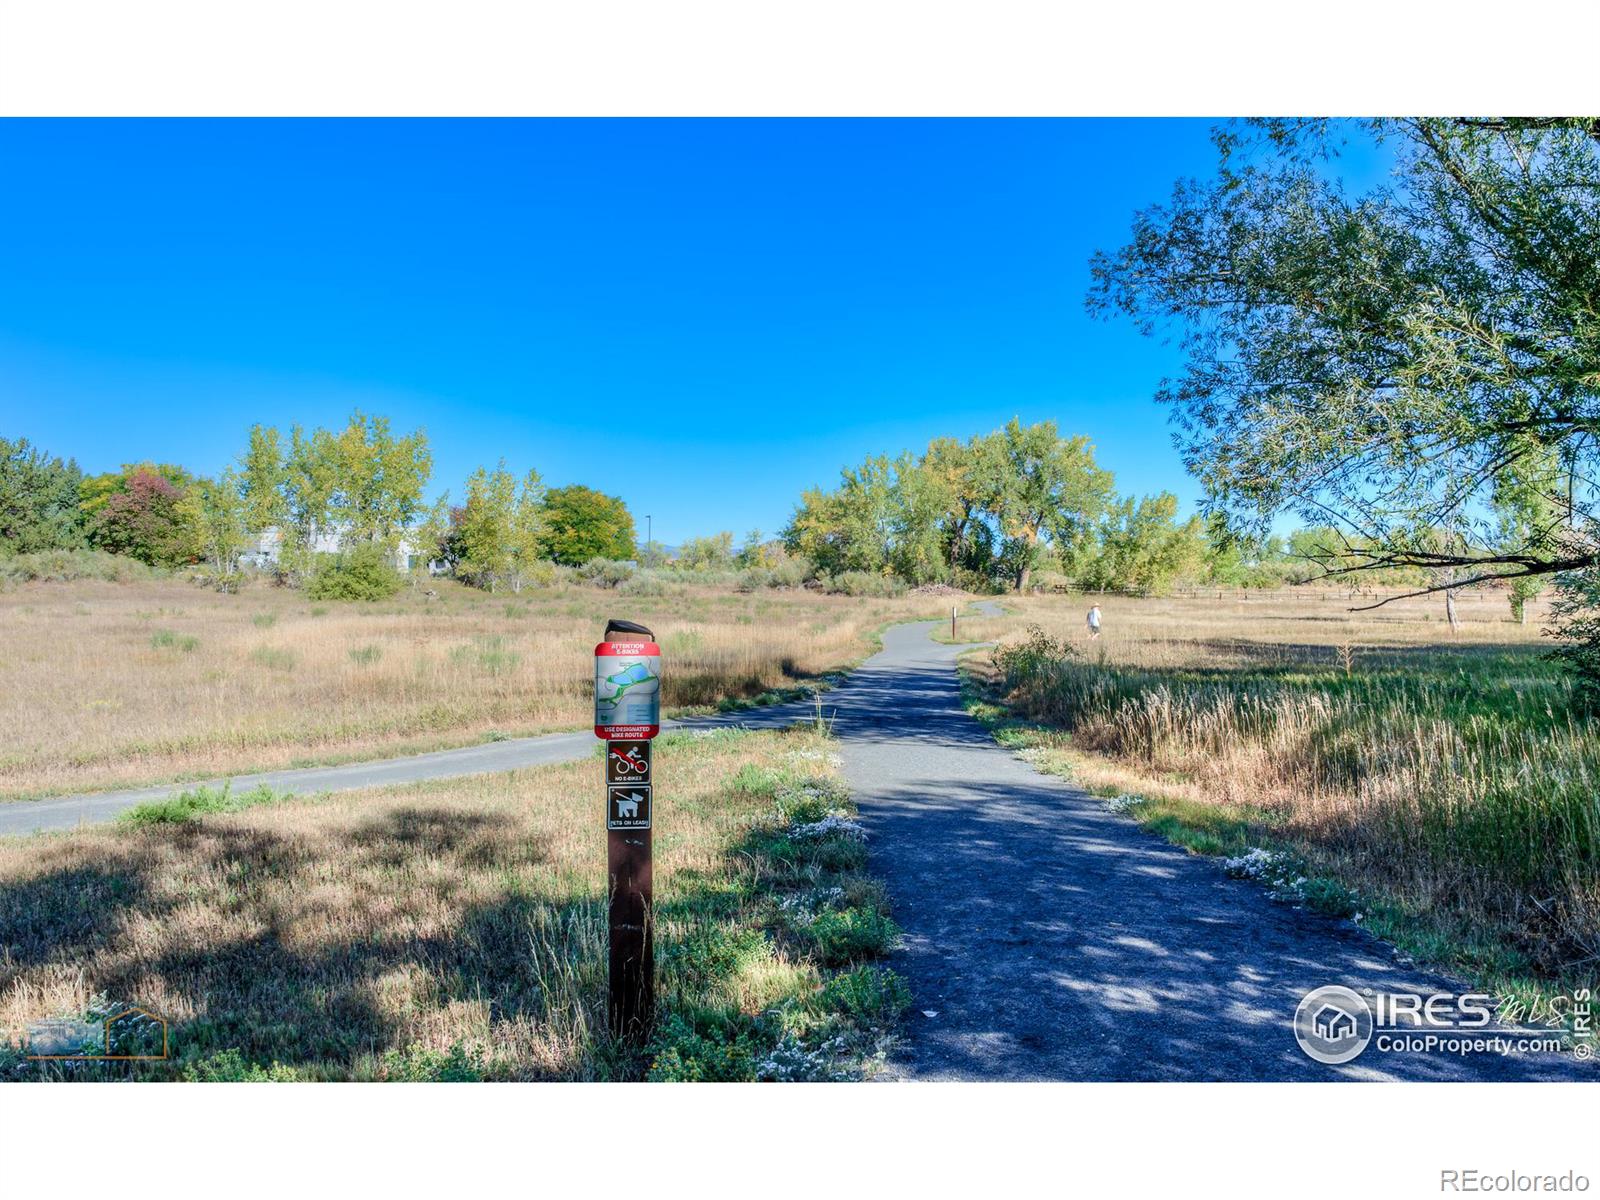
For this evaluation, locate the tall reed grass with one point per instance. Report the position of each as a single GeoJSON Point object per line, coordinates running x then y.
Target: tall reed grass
{"type": "Point", "coordinates": [1460, 778]}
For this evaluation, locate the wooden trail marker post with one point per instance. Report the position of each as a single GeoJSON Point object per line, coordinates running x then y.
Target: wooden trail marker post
{"type": "Point", "coordinates": [627, 714]}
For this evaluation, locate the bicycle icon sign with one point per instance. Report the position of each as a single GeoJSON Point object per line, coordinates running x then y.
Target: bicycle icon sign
{"type": "Point", "coordinates": [628, 762]}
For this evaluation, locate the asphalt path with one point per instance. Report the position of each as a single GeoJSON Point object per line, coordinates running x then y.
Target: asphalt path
{"type": "Point", "coordinates": [23, 817]}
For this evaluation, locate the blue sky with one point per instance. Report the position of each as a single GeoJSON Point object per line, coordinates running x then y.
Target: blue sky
{"type": "Point", "coordinates": [704, 317]}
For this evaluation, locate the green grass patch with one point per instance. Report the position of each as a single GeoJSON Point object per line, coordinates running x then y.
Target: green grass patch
{"type": "Point", "coordinates": [800, 922]}
{"type": "Point", "coordinates": [486, 654]}
{"type": "Point", "coordinates": [168, 639]}
{"type": "Point", "coordinates": [198, 802]}
{"type": "Point", "coordinates": [273, 658]}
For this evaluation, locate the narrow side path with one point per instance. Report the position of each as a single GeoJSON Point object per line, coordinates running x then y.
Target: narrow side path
{"type": "Point", "coordinates": [68, 812]}
{"type": "Point", "coordinates": [1047, 938]}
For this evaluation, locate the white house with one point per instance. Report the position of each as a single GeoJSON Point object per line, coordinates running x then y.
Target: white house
{"type": "Point", "coordinates": [265, 548]}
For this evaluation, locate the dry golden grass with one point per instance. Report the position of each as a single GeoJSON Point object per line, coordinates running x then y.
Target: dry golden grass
{"type": "Point", "coordinates": [354, 936]}
{"type": "Point", "coordinates": [1446, 773]}
{"type": "Point", "coordinates": [1231, 628]}
{"type": "Point", "coordinates": [105, 685]}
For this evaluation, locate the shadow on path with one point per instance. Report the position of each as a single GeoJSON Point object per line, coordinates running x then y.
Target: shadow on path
{"type": "Point", "coordinates": [1051, 939]}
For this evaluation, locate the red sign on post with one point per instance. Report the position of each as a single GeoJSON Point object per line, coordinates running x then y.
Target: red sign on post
{"type": "Point", "coordinates": [627, 713]}
{"type": "Point", "coordinates": [627, 690]}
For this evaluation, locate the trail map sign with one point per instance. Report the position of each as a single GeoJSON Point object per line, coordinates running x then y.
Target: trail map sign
{"type": "Point", "coordinates": [627, 689]}
{"type": "Point", "coordinates": [627, 713]}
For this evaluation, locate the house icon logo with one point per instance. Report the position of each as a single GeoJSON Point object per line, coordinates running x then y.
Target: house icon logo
{"type": "Point", "coordinates": [1332, 1024]}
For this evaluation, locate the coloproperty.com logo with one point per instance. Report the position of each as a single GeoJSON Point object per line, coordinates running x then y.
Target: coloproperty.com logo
{"type": "Point", "coordinates": [1336, 1025]}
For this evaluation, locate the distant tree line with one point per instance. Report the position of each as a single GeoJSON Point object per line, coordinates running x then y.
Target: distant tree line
{"type": "Point", "coordinates": [356, 491]}
{"type": "Point", "coordinates": [1012, 509]}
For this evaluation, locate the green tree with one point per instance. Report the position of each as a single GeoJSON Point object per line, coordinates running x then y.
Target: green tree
{"type": "Point", "coordinates": [1243, 560]}
{"type": "Point", "coordinates": [216, 510]}
{"type": "Point", "coordinates": [381, 480]}
{"type": "Point", "coordinates": [527, 529]}
{"type": "Point", "coordinates": [1384, 361]}
{"type": "Point", "coordinates": [1046, 486]}
{"type": "Point", "coordinates": [968, 476]}
{"type": "Point", "coordinates": [1144, 548]}
{"type": "Point", "coordinates": [139, 512]}
{"type": "Point", "coordinates": [920, 505]}
{"type": "Point", "coordinates": [263, 475]}
{"type": "Point", "coordinates": [714, 553]}
{"type": "Point", "coordinates": [820, 530]}
{"type": "Point", "coordinates": [486, 528]}
{"type": "Point", "coordinates": [883, 517]}
{"type": "Point", "coordinates": [756, 551]}
{"type": "Point", "coordinates": [582, 523]}
{"type": "Point", "coordinates": [311, 476]}
{"type": "Point", "coordinates": [39, 500]}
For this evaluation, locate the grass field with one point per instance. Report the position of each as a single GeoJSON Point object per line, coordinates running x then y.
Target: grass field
{"type": "Point", "coordinates": [457, 930]}
{"type": "Point", "coordinates": [118, 684]}
{"type": "Point", "coordinates": [1439, 783]}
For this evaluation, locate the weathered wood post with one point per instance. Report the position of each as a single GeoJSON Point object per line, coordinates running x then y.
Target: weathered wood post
{"type": "Point", "coordinates": [627, 714]}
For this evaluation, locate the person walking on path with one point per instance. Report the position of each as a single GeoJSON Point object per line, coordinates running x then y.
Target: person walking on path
{"type": "Point", "coordinates": [1094, 621]}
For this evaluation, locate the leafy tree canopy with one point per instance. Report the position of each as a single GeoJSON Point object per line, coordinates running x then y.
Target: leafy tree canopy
{"type": "Point", "coordinates": [39, 498]}
{"type": "Point", "coordinates": [1420, 358]}
{"type": "Point", "coordinates": [581, 524]}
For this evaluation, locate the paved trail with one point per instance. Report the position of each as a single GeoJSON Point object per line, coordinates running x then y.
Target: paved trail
{"type": "Point", "coordinates": [1056, 940]}
{"type": "Point", "coordinates": [1049, 938]}
{"type": "Point", "coordinates": [68, 812]}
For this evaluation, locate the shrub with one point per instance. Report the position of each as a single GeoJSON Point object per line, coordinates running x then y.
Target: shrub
{"type": "Point", "coordinates": [1035, 660]}
{"type": "Point", "coordinates": [605, 572]}
{"type": "Point", "coordinates": [542, 574]}
{"type": "Point", "coordinates": [853, 933]}
{"type": "Point", "coordinates": [64, 566]}
{"type": "Point", "coordinates": [874, 994]}
{"type": "Point", "coordinates": [229, 1066]}
{"type": "Point", "coordinates": [681, 1053]}
{"type": "Point", "coordinates": [645, 583]}
{"type": "Point", "coordinates": [864, 583]}
{"type": "Point", "coordinates": [790, 573]}
{"type": "Point", "coordinates": [459, 1064]}
{"type": "Point", "coordinates": [229, 583]}
{"type": "Point", "coordinates": [360, 573]}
